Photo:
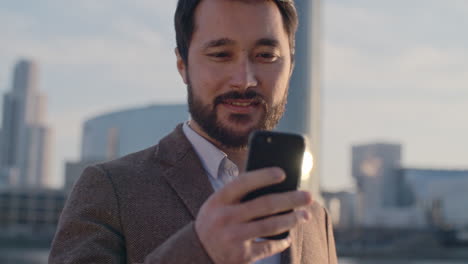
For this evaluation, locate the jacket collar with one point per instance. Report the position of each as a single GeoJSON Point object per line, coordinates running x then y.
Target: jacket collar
{"type": "Point", "coordinates": [183, 170]}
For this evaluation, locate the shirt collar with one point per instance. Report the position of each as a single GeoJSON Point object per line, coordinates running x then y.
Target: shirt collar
{"type": "Point", "coordinates": [210, 156]}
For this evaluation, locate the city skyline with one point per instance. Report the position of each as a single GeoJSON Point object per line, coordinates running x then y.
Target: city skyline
{"type": "Point", "coordinates": [392, 71]}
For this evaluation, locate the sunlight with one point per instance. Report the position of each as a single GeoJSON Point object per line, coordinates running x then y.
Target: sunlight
{"type": "Point", "coordinates": [307, 165]}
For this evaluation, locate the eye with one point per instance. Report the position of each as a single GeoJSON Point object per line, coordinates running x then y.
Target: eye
{"type": "Point", "coordinates": [219, 55]}
{"type": "Point", "coordinates": [267, 56]}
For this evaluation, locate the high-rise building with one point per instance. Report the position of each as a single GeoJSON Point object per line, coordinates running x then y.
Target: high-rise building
{"type": "Point", "coordinates": [24, 149]}
{"type": "Point", "coordinates": [375, 169]}
{"type": "Point", "coordinates": [303, 112]}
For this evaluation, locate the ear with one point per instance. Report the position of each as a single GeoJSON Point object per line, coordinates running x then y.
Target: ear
{"type": "Point", "coordinates": [181, 67]}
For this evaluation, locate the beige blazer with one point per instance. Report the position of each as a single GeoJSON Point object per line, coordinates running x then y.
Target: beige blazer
{"type": "Point", "coordinates": [141, 209]}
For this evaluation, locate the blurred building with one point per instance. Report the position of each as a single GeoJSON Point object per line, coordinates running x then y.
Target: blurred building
{"type": "Point", "coordinates": [439, 194]}
{"type": "Point", "coordinates": [374, 169]}
{"type": "Point", "coordinates": [342, 208]}
{"type": "Point", "coordinates": [116, 134]}
{"type": "Point", "coordinates": [30, 211]}
{"type": "Point", "coordinates": [303, 111]}
{"type": "Point", "coordinates": [395, 197]}
{"type": "Point", "coordinates": [119, 133]}
{"type": "Point", "coordinates": [24, 139]}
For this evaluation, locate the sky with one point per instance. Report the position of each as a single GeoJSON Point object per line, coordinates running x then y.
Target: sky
{"type": "Point", "coordinates": [392, 71]}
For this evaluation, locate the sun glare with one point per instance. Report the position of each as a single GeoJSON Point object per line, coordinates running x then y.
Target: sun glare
{"type": "Point", "coordinates": [307, 165]}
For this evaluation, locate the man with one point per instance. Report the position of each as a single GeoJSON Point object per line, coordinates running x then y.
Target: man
{"type": "Point", "coordinates": [179, 201]}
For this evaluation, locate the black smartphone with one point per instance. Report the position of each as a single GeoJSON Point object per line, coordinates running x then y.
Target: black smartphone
{"type": "Point", "coordinates": [276, 149]}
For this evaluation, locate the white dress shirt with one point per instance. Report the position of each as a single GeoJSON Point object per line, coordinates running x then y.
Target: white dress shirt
{"type": "Point", "coordinates": [220, 169]}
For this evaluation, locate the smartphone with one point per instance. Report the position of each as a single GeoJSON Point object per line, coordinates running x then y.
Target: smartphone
{"type": "Point", "coordinates": [276, 149]}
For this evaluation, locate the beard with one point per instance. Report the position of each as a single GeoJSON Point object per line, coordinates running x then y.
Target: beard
{"type": "Point", "coordinates": [207, 118]}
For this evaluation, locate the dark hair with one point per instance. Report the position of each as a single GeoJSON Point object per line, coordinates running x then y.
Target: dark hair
{"type": "Point", "coordinates": [185, 24]}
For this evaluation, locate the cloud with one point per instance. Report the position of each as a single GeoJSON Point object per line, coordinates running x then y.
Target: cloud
{"type": "Point", "coordinates": [410, 71]}
{"type": "Point", "coordinates": [133, 54]}
{"type": "Point", "coordinates": [372, 50]}
{"type": "Point", "coordinates": [374, 25]}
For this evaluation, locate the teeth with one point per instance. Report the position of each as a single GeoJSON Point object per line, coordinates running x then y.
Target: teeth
{"type": "Point", "coordinates": [240, 104]}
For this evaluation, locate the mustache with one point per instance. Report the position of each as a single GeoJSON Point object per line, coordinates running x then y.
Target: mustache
{"type": "Point", "coordinates": [248, 95]}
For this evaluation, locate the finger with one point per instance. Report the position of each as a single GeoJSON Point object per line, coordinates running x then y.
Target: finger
{"type": "Point", "coordinates": [268, 248]}
{"type": "Point", "coordinates": [234, 191]}
{"type": "Point", "coordinates": [275, 225]}
{"type": "Point", "coordinates": [271, 204]}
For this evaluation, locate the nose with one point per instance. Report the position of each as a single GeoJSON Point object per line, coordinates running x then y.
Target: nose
{"type": "Point", "coordinates": [244, 75]}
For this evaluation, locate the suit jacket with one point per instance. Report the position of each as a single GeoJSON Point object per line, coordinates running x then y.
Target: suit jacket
{"type": "Point", "coordinates": [142, 207]}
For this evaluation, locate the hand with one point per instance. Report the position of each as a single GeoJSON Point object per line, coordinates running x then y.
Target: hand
{"type": "Point", "coordinates": [227, 229]}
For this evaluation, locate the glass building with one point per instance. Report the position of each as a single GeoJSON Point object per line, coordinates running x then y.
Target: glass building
{"type": "Point", "coordinates": [116, 134]}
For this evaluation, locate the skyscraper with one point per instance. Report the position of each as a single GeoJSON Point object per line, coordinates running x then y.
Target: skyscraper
{"type": "Point", "coordinates": [375, 168]}
{"type": "Point", "coordinates": [303, 109]}
{"type": "Point", "coordinates": [24, 141]}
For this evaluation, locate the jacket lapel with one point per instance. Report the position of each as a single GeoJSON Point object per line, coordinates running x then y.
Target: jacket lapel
{"type": "Point", "coordinates": [183, 170]}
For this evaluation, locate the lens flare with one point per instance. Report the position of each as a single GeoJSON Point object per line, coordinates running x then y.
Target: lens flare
{"type": "Point", "coordinates": [307, 165]}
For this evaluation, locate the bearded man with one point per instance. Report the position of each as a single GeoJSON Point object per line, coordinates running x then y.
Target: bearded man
{"type": "Point", "coordinates": [180, 201]}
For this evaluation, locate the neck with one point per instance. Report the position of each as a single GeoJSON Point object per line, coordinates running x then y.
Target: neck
{"type": "Point", "coordinates": [236, 155]}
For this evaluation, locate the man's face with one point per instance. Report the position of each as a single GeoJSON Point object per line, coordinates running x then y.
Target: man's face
{"type": "Point", "coordinates": [238, 69]}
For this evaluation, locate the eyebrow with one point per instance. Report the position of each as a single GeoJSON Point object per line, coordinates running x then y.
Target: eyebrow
{"type": "Point", "coordinates": [229, 42]}
{"type": "Point", "coordinates": [219, 42]}
{"type": "Point", "coordinates": [267, 42]}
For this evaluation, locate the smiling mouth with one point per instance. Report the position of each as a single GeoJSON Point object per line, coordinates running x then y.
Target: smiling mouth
{"type": "Point", "coordinates": [241, 106]}
{"type": "Point", "coordinates": [241, 103]}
